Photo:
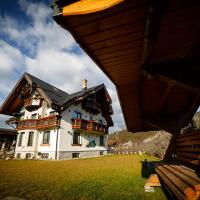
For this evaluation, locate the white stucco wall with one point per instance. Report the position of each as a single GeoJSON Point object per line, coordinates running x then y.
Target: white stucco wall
{"type": "Point", "coordinates": [51, 147]}
{"type": "Point", "coordinates": [24, 148]}
{"type": "Point", "coordinates": [37, 146]}
{"type": "Point", "coordinates": [65, 134]}
{"type": "Point", "coordinates": [66, 131]}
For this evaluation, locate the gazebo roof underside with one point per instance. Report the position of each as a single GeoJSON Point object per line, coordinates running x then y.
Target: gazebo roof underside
{"type": "Point", "coordinates": [150, 50]}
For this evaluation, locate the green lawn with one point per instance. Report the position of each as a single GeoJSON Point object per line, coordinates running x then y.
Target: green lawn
{"type": "Point", "coordinates": [108, 177]}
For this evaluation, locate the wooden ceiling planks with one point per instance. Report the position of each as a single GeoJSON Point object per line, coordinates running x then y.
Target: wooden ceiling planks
{"type": "Point", "coordinates": [112, 21]}
{"type": "Point", "coordinates": [80, 20]}
{"type": "Point", "coordinates": [114, 39]}
{"type": "Point", "coordinates": [182, 25]}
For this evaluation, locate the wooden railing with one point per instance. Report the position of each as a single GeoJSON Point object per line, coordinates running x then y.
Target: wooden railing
{"type": "Point", "coordinates": [89, 126]}
{"type": "Point", "coordinates": [42, 123]}
{"type": "Point", "coordinates": [33, 102]}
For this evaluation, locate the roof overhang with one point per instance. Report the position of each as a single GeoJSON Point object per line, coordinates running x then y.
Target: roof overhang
{"type": "Point", "coordinates": [14, 101]}
{"type": "Point", "coordinates": [149, 49]}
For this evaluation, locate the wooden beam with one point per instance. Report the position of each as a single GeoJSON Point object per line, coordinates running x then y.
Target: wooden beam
{"type": "Point", "coordinates": [88, 6]}
{"type": "Point", "coordinates": [154, 18]}
{"type": "Point", "coordinates": [182, 72]}
{"type": "Point", "coordinates": [167, 91]}
{"type": "Point", "coordinates": [167, 123]}
{"type": "Point", "coordinates": [174, 82]}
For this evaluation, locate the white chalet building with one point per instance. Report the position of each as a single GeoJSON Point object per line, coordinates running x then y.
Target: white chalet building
{"type": "Point", "coordinates": [53, 124]}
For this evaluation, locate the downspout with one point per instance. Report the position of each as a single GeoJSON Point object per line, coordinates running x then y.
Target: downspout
{"type": "Point", "coordinates": [56, 153]}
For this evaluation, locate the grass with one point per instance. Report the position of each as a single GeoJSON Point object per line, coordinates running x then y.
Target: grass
{"type": "Point", "coordinates": [109, 177]}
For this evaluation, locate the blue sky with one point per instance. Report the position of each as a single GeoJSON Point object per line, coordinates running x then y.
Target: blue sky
{"type": "Point", "coordinates": [30, 41]}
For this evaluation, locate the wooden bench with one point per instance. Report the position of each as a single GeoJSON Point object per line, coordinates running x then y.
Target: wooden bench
{"type": "Point", "coordinates": [182, 175]}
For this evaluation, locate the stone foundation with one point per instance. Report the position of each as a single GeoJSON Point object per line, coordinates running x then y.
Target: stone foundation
{"type": "Point", "coordinates": [82, 154]}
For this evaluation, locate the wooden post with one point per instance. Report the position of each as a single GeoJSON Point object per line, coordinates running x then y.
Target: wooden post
{"type": "Point", "coordinates": [172, 147]}
{"type": "Point", "coordinates": [181, 121]}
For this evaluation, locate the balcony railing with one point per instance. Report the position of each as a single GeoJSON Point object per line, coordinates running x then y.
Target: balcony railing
{"type": "Point", "coordinates": [90, 126]}
{"type": "Point", "coordinates": [32, 103]}
{"type": "Point", "coordinates": [42, 123]}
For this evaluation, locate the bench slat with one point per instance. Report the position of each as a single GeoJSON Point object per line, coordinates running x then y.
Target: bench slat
{"type": "Point", "coordinates": [189, 155]}
{"type": "Point", "coordinates": [170, 184]}
{"type": "Point", "coordinates": [188, 173]}
{"type": "Point", "coordinates": [183, 187]}
{"type": "Point", "coordinates": [188, 143]}
{"type": "Point", "coordinates": [189, 160]}
{"type": "Point", "coordinates": [189, 149]}
{"type": "Point", "coordinates": [183, 181]}
{"type": "Point", "coordinates": [195, 184]}
{"type": "Point", "coordinates": [188, 136]}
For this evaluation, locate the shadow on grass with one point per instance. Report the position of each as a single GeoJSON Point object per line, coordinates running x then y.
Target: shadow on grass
{"type": "Point", "coordinates": [148, 168]}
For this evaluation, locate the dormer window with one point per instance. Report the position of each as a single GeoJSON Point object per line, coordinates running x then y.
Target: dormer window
{"type": "Point", "coordinates": [77, 115]}
{"type": "Point", "coordinates": [21, 116]}
{"type": "Point", "coordinates": [52, 113]}
{"type": "Point", "coordinates": [34, 116]}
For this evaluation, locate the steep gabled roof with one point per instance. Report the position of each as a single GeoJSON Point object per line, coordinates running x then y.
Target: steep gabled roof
{"type": "Point", "coordinates": [55, 94]}
{"type": "Point", "coordinates": [83, 94]}
{"type": "Point", "coordinates": [52, 94]}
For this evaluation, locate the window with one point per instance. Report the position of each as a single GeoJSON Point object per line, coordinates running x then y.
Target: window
{"type": "Point", "coordinates": [34, 116]}
{"type": "Point", "coordinates": [76, 138]}
{"type": "Point", "coordinates": [18, 155]}
{"type": "Point", "coordinates": [77, 114]}
{"type": "Point", "coordinates": [30, 138]}
{"type": "Point", "coordinates": [21, 116]}
{"type": "Point", "coordinates": [46, 137]}
{"type": "Point", "coordinates": [44, 155]}
{"type": "Point", "coordinates": [20, 138]}
{"type": "Point", "coordinates": [52, 113]}
{"type": "Point", "coordinates": [28, 155]}
{"type": "Point", "coordinates": [75, 155]}
{"type": "Point", "coordinates": [101, 140]}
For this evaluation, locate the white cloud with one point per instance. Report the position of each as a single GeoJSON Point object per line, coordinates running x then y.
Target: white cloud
{"type": "Point", "coordinates": [10, 59]}
{"type": "Point", "coordinates": [3, 118]}
{"type": "Point", "coordinates": [44, 49]}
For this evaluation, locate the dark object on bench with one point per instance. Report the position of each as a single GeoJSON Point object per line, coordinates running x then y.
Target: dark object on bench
{"type": "Point", "coordinates": [181, 176]}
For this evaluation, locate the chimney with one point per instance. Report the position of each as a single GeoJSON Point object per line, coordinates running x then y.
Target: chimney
{"type": "Point", "coordinates": [84, 84]}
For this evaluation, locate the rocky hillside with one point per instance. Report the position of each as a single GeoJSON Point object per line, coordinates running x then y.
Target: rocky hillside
{"type": "Point", "coordinates": [152, 142]}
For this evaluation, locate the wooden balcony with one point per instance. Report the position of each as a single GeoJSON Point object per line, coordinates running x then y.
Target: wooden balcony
{"type": "Point", "coordinates": [32, 103]}
{"type": "Point", "coordinates": [92, 106]}
{"type": "Point", "coordinates": [89, 126]}
{"type": "Point", "coordinates": [42, 123]}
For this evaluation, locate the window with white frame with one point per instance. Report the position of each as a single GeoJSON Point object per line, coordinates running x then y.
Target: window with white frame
{"type": "Point", "coordinates": [52, 113]}
{"type": "Point", "coordinates": [34, 116]}
{"type": "Point", "coordinates": [77, 114]}
{"type": "Point", "coordinates": [30, 139]}
{"type": "Point", "coordinates": [44, 155]}
{"type": "Point", "coordinates": [21, 135]}
{"type": "Point", "coordinates": [76, 138]}
{"type": "Point", "coordinates": [46, 137]}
